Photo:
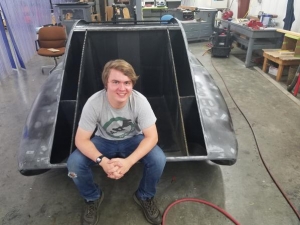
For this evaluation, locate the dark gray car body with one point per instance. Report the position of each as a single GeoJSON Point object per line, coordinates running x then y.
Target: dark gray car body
{"type": "Point", "coordinates": [193, 120]}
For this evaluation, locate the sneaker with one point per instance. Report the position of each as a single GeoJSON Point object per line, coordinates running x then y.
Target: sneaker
{"type": "Point", "coordinates": [90, 216]}
{"type": "Point", "coordinates": [150, 209]}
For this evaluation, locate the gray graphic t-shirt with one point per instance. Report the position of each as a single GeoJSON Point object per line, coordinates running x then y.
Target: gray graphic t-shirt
{"type": "Point", "coordinates": [117, 124]}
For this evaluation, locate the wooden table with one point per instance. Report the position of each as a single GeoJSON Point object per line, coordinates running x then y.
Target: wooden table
{"type": "Point", "coordinates": [253, 39]}
{"type": "Point", "coordinates": [282, 60]}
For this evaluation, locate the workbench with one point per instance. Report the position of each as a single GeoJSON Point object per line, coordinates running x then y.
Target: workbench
{"type": "Point", "coordinates": [282, 61]}
{"type": "Point", "coordinates": [267, 38]}
{"type": "Point", "coordinates": [196, 30]}
{"type": "Point", "coordinates": [69, 13]}
{"type": "Point", "coordinates": [156, 12]}
{"type": "Point", "coordinates": [201, 27]}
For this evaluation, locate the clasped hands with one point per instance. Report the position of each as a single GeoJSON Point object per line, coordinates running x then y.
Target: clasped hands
{"type": "Point", "coordinates": [115, 168]}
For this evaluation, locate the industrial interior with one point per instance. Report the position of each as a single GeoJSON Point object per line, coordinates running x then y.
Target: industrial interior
{"type": "Point", "coordinates": [222, 77]}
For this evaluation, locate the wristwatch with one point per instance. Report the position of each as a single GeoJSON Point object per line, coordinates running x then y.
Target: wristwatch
{"type": "Point", "coordinates": [99, 159]}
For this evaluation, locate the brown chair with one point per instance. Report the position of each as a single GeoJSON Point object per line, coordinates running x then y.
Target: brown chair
{"type": "Point", "coordinates": [109, 13]}
{"type": "Point", "coordinates": [126, 13]}
{"type": "Point", "coordinates": [51, 43]}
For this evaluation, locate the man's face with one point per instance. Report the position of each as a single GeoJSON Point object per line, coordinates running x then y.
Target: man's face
{"type": "Point", "coordinates": [119, 88]}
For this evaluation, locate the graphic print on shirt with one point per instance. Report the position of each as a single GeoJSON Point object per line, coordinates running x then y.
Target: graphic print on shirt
{"type": "Point", "coordinates": [119, 127]}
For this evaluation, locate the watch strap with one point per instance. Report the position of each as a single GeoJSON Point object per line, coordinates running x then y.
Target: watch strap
{"type": "Point", "coordinates": [99, 159]}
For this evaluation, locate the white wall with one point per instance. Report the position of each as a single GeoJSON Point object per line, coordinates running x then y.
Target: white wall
{"type": "Point", "coordinates": [205, 3]}
{"type": "Point", "coordinates": [277, 7]}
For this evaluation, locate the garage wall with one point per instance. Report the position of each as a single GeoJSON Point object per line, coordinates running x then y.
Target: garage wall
{"type": "Point", "coordinates": [5, 66]}
{"type": "Point", "coordinates": [277, 7]}
{"type": "Point", "coordinates": [23, 17]}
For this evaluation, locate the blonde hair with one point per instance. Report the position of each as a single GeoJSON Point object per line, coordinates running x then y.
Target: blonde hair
{"type": "Point", "coordinates": [122, 66]}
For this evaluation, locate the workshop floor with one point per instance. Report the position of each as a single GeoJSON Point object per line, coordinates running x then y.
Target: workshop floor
{"type": "Point", "coordinates": [245, 190]}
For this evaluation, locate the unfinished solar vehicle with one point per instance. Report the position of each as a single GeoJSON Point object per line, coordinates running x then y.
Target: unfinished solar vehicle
{"type": "Point", "coordinates": [193, 120]}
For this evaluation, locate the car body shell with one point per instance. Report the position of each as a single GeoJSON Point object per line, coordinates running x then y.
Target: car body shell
{"type": "Point", "coordinates": [193, 119]}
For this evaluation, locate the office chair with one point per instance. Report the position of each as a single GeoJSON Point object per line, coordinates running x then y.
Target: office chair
{"type": "Point", "coordinates": [126, 13]}
{"type": "Point", "coordinates": [51, 43]}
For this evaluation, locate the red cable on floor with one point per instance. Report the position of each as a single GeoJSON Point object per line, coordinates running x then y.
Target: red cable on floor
{"type": "Point", "coordinates": [258, 149]}
{"type": "Point", "coordinates": [198, 201]}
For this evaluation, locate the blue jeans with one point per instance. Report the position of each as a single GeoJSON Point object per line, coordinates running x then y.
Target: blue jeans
{"type": "Point", "coordinates": [79, 166]}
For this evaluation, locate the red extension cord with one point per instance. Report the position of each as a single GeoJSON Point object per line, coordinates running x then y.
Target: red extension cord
{"type": "Point", "coordinates": [198, 201]}
{"type": "Point", "coordinates": [258, 149]}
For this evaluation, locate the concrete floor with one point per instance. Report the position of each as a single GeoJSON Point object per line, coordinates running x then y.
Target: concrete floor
{"type": "Point", "coordinates": [244, 190]}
